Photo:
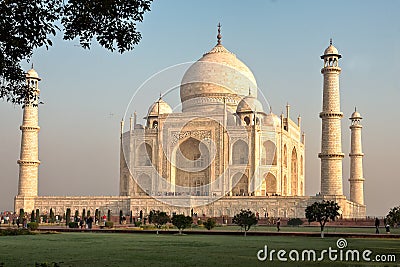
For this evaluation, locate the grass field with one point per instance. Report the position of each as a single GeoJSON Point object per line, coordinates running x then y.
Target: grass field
{"type": "Point", "coordinates": [99, 249]}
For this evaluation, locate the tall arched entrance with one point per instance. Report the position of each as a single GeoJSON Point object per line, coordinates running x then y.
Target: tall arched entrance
{"type": "Point", "coordinates": [192, 167]}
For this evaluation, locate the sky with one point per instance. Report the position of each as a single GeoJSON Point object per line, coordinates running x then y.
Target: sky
{"type": "Point", "coordinates": [86, 92]}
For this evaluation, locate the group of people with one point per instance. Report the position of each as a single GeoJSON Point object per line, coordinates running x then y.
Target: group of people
{"type": "Point", "coordinates": [385, 223]}
{"type": "Point", "coordinates": [83, 222]}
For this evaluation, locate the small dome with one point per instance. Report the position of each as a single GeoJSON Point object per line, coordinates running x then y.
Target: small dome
{"type": "Point", "coordinates": [249, 104]}
{"type": "Point", "coordinates": [272, 120]}
{"type": "Point", "coordinates": [356, 115]}
{"type": "Point", "coordinates": [159, 107]}
{"type": "Point", "coordinates": [331, 50]}
{"type": "Point", "coordinates": [32, 74]}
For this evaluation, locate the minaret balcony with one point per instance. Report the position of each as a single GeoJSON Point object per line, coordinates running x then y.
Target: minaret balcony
{"type": "Point", "coordinates": [29, 128]}
{"type": "Point", "coordinates": [331, 155]}
{"type": "Point", "coordinates": [331, 69]}
{"type": "Point", "coordinates": [356, 154]}
{"type": "Point", "coordinates": [28, 162]}
{"type": "Point", "coordinates": [330, 114]}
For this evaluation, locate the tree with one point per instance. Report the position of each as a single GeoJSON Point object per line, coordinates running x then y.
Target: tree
{"type": "Point", "coordinates": [51, 215]}
{"type": "Point", "coordinates": [120, 216]}
{"type": "Point", "coordinates": [159, 218]}
{"type": "Point", "coordinates": [97, 215]}
{"type": "Point", "coordinates": [68, 216]}
{"type": "Point", "coordinates": [76, 216]}
{"type": "Point", "coordinates": [27, 25]}
{"type": "Point", "coordinates": [33, 216]}
{"type": "Point", "coordinates": [37, 219]}
{"type": "Point", "coordinates": [109, 215]}
{"type": "Point", "coordinates": [322, 212]}
{"type": "Point", "coordinates": [181, 222]}
{"type": "Point", "coordinates": [210, 223]}
{"type": "Point", "coordinates": [245, 219]}
{"type": "Point", "coordinates": [393, 217]}
{"type": "Point", "coordinates": [130, 218]}
{"type": "Point", "coordinates": [83, 214]}
{"type": "Point", "coordinates": [21, 213]}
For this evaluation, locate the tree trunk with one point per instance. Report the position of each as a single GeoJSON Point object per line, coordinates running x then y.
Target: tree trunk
{"type": "Point", "coordinates": [322, 231]}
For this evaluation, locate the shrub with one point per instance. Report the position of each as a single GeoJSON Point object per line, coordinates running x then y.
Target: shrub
{"type": "Point", "coordinates": [181, 222]}
{"type": "Point", "coordinates": [73, 225]}
{"type": "Point", "coordinates": [210, 223]}
{"type": "Point", "coordinates": [33, 226]}
{"type": "Point", "coordinates": [109, 224]}
{"type": "Point", "coordinates": [138, 223]}
{"type": "Point", "coordinates": [13, 231]}
{"type": "Point", "coordinates": [295, 222]}
{"type": "Point", "coordinates": [149, 227]}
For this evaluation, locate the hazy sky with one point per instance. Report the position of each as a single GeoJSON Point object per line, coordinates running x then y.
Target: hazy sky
{"type": "Point", "coordinates": [86, 92]}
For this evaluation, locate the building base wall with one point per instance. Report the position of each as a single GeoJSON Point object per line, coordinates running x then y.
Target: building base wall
{"type": "Point", "coordinates": [274, 206]}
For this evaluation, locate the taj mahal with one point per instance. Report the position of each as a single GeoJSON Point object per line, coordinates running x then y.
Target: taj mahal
{"type": "Point", "coordinates": [222, 151]}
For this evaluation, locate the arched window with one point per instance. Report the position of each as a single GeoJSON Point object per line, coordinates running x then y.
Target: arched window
{"type": "Point", "coordinates": [247, 120]}
{"type": "Point", "coordinates": [284, 186]}
{"type": "Point", "coordinates": [285, 156]}
{"type": "Point", "coordinates": [240, 152]}
{"type": "Point", "coordinates": [125, 183]}
{"type": "Point", "coordinates": [268, 156]}
{"type": "Point", "coordinates": [192, 165]}
{"type": "Point", "coordinates": [301, 189]}
{"type": "Point", "coordinates": [144, 155]}
{"type": "Point", "coordinates": [144, 184]}
{"type": "Point", "coordinates": [240, 185]}
{"type": "Point", "coordinates": [155, 124]}
{"type": "Point", "coordinates": [294, 176]}
{"type": "Point", "coordinates": [301, 166]}
{"type": "Point", "coordinates": [270, 184]}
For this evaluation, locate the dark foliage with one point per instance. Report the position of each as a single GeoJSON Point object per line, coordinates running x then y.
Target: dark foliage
{"type": "Point", "coordinates": [393, 217]}
{"type": "Point", "coordinates": [210, 223]}
{"type": "Point", "coordinates": [181, 221]}
{"type": "Point", "coordinates": [33, 226]}
{"type": "Point", "coordinates": [322, 212]}
{"type": "Point", "coordinates": [295, 222]}
{"type": "Point", "coordinates": [245, 219]}
{"type": "Point", "coordinates": [26, 25]}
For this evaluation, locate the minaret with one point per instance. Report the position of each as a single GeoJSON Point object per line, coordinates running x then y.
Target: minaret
{"type": "Point", "coordinates": [331, 144]}
{"type": "Point", "coordinates": [29, 157]}
{"type": "Point", "coordinates": [356, 165]}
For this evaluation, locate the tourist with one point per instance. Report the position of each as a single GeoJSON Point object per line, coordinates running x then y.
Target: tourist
{"type": "Point", "coordinates": [89, 222]}
{"type": "Point", "coordinates": [278, 224]}
{"type": "Point", "coordinates": [387, 228]}
{"type": "Point", "coordinates": [377, 222]}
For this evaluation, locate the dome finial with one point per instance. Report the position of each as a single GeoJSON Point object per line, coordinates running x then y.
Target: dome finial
{"type": "Point", "coordinates": [330, 41]}
{"type": "Point", "coordinates": [32, 65]}
{"type": "Point", "coordinates": [219, 36]}
{"type": "Point", "coordinates": [355, 109]}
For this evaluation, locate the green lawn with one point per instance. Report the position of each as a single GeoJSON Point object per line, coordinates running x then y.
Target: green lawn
{"type": "Point", "coordinates": [305, 228]}
{"type": "Point", "coordinates": [101, 249]}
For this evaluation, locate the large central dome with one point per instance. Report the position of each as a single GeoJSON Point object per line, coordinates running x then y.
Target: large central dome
{"type": "Point", "coordinates": [218, 75]}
